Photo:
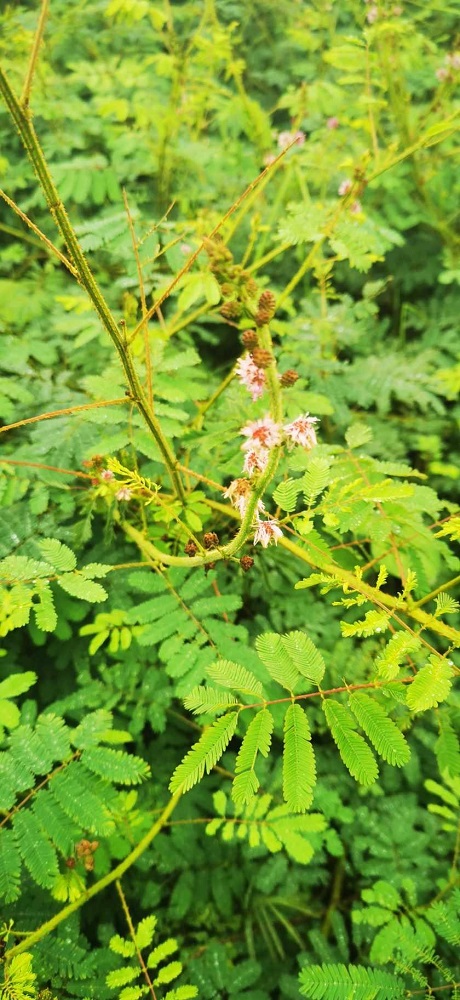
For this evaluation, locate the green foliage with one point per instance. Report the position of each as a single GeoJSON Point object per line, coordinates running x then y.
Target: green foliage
{"type": "Point", "coordinates": [316, 682]}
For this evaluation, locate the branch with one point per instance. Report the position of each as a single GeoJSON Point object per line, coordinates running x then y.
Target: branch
{"type": "Point", "coordinates": [95, 889]}
{"type": "Point", "coordinates": [133, 936]}
{"type": "Point", "coordinates": [62, 413]}
{"type": "Point", "coordinates": [25, 218]}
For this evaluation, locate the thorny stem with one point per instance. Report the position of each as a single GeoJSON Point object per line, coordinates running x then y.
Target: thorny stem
{"type": "Point", "coordinates": [94, 890]}
{"type": "Point", "coordinates": [133, 936]}
{"type": "Point", "coordinates": [135, 245]}
{"type": "Point", "coordinates": [85, 276]}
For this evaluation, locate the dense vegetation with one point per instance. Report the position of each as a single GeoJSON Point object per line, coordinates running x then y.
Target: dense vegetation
{"type": "Point", "coordinates": [229, 761]}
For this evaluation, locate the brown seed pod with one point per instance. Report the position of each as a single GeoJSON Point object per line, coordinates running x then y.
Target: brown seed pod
{"type": "Point", "coordinates": [191, 548]}
{"type": "Point", "coordinates": [210, 540]}
{"type": "Point", "coordinates": [261, 357]}
{"type": "Point", "coordinates": [246, 563]}
{"type": "Point", "coordinates": [249, 339]}
{"type": "Point", "coordinates": [288, 378]}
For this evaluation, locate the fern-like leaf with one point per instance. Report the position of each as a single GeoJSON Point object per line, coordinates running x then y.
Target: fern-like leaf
{"type": "Point", "coordinates": [208, 699]}
{"type": "Point", "coordinates": [78, 585]}
{"type": "Point", "coordinates": [204, 754]}
{"type": "Point", "coordinates": [286, 493]}
{"type": "Point", "coordinates": [257, 740]}
{"type": "Point", "coordinates": [372, 623]}
{"type": "Point", "coordinates": [447, 747]}
{"type": "Point", "coordinates": [45, 614]}
{"type": "Point", "coordinates": [305, 657]}
{"type": "Point", "coordinates": [382, 732]}
{"type": "Point", "coordinates": [38, 855]}
{"type": "Point", "coordinates": [232, 675]}
{"type": "Point", "coordinates": [58, 555]}
{"type": "Point", "coordinates": [354, 751]}
{"type": "Point", "coordinates": [430, 686]}
{"type": "Point", "coordinates": [277, 661]}
{"type": "Point", "coordinates": [391, 658]}
{"type": "Point", "coordinates": [116, 765]}
{"type": "Point", "coordinates": [315, 479]}
{"type": "Point", "coordinates": [299, 768]}
{"type": "Point", "coordinates": [337, 982]}
{"type": "Point", "coordinates": [10, 867]}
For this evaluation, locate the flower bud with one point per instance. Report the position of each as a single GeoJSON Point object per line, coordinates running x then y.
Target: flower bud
{"type": "Point", "coordinates": [288, 378]}
{"type": "Point", "coordinates": [267, 301]}
{"type": "Point", "coordinates": [231, 310]}
{"type": "Point", "coordinates": [263, 316]}
{"type": "Point", "coordinates": [246, 563]}
{"type": "Point", "coordinates": [249, 339]}
{"type": "Point", "coordinates": [261, 357]}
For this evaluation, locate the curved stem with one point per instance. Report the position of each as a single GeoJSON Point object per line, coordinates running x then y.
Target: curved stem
{"type": "Point", "coordinates": [95, 889]}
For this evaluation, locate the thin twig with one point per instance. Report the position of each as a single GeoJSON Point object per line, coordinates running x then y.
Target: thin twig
{"type": "Point", "coordinates": [132, 932]}
{"type": "Point", "coordinates": [25, 96]}
{"type": "Point", "coordinates": [44, 239]}
{"type": "Point", "coordinates": [63, 413]}
{"type": "Point", "coordinates": [145, 322]}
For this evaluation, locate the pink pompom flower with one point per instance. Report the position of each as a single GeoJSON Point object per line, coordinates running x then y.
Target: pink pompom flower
{"type": "Point", "coordinates": [107, 475]}
{"type": "Point", "coordinates": [332, 122]}
{"type": "Point", "coordinates": [123, 494]}
{"type": "Point", "coordinates": [345, 187]}
{"type": "Point", "coordinates": [302, 431]}
{"type": "Point", "coordinates": [286, 138]}
{"type": "Point", "coordinates": [264, 433]}
{"type": "Point", "coordinates": [267, 531]}
{"type": "Point", "coordinates": [251, 376]}
{"type": "Point", "coordinates": [239, 493]}
{"type": "Point", "coordinates": [255, 460]}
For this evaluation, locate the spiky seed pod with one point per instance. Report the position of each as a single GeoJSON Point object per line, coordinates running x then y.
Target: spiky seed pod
{"type": "Point", "coordinates": [267, 301]}
{"type": "Point", "coordinates": [261, 357]}
{"type": "Point", "coordinates": [191, 548]}
{"type": "Point", "coordinates": [246, 563]}
{"type": "Point", "coordinates": [249, 339]}
{"type": "Point", "coordinates": [231, 310]}
{"type": "Point", "coordinates": [288, 378]}
{"type": "Point", "coordinates": [210, 540]}
{"type": "Point", "coordinates": [263, 316]}
{"type": "Point", "coordinates": [209, 566]}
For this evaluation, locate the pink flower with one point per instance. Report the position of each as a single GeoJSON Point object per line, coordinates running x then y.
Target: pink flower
{"type": "Point", "coordinates": [263, 433]}
{"type": "Point", "coordinates": [239, 493]}
{"type": "Point", "coordinates": [442, 73]}
{"type": "Point", "coordinates": [372, 14]}
{"type": "Point", "coordinates": [286, 138]}
{"type": "Point", "coordinates": [251, 376]}
{"type": "Point", "coordinates": [255, 460]}
{"type": "Point", "coordinates": [345, 187]}
{"type": "Point", "coordinates": [454, 60]}
{"type": "Point", "coordinates": [269, 159]}
{"type": "Point", "coordinates": [185, 248]}
{"type": "Point", "coordinates": [123, 494]}
{"type": "Point", "coordinates": [332, 122]}
{"type": "Point", "coordinates": [107, 474]}
{"type": "Point", "coordinates": [302, 431]}
{"type": "Point", "coordinates": [267, 531]}
{"type": "Point", "coordinates": [356, 208]}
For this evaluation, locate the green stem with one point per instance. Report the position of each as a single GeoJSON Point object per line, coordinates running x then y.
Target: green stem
{"type": "Point", "coordinates": [95, 889]}
{"type": "Point", "coordinates": [84, 274]}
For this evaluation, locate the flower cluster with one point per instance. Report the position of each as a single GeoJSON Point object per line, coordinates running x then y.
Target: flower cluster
{"type": "Point", "coordinates": [266, 529]}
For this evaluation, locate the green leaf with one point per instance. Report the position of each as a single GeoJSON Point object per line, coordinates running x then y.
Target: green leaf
{"type": "Point", "coordinates": [447, 747]}
{"type": "Point", "coordinates": [299, 768]}
{"type": "Point", "coordinates": [357, 435]}
{"type": "Point", "coordinates": [58, 555]}
{"type": "Point", "coordinates": [232, 675]}
{"type": "Point", "coordinates": [354, 751]}
{"type": "Point", "coordinates": [304, 655]}
{"type": "Point", "coordinates": [162, 951]}
{"type": "Point", "coordinates": [315, 479]}
{"type": "Point", "coordinates": [78, 586]}
{"type": "Point", "coordinates": [430, 686]}
{"type": "Point", "coordinates": [277, 660]}
{"type": "Point", "coordinates": [390, 659]}
{"type": "Point", "coordinates": [256, 740]}
{"type": "Point", "coordinates": [337, 982]}
{"type": "Point", "coordinates": [45, 614]}
{"type": "Point", "coordinates": [382, 732]}
{"type": "Point", "coordinates": [286, 493]}
{"type": "Point", "coordinates": [17, 684]}
{"type": "Point", "coordinates": [116, 765]}
{"type": "Point", "coordinates": [10, 715]}
{"type": "Point", "coordinates": [204, 754]}
{"type": "Point", "coordinates": [208, 699]}
{"type": "Point", "coordinates": [36, 851]}
{"type": "Point", "coordinates": [373, 623]}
